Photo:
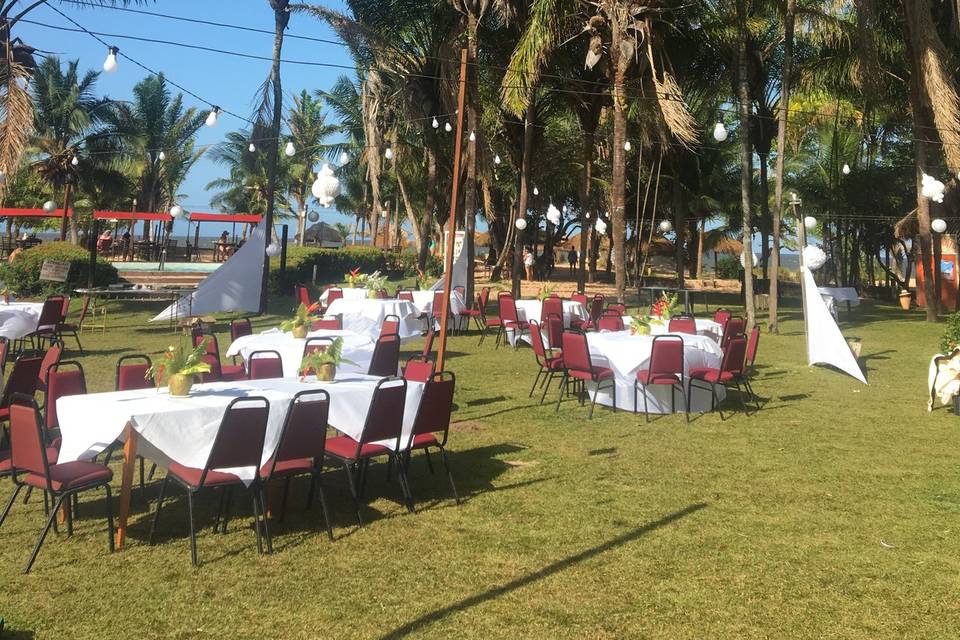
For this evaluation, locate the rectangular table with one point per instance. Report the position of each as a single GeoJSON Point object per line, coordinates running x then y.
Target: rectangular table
{"type": "Point", "coordinates": [183, 429]}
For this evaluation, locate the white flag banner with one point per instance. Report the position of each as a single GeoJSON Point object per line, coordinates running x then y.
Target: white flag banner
{"type": "Point", "coordinates": [825, 342]}
{"type": "Point", "coordinates": [459, 263]}
{"type": "Point", "coordinates": [235, 286]}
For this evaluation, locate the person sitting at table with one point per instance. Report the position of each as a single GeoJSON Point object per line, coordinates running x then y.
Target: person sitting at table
{"type": "Point", "coordinates": [221, 249]}
{"type": "Point", "coordinates": [105, 241]}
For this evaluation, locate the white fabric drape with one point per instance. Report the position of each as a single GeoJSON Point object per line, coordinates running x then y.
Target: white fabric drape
{"type": "Point", "coordinates": [825, 342]}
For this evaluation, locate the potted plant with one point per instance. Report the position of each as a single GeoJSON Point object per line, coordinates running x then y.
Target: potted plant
{"type": "Point", "coordinates": [905, 298]}
{"type": "Point", "coordinates": [640, 325]}
{"type": "Point", "coordinates": [299, 324]}
{"type": "Point", "coordinates": [178, 366]}
{"type": "Point", "coordinates": [544, 293]}
{"type": "Point", "coordinates": [324, 362]}
{"type": "Point", "coordinates": [374, 282]}
{"type": "Point", "coordinates": [664, 307]}
{"type": "Point", "coordinates": [353, 279]}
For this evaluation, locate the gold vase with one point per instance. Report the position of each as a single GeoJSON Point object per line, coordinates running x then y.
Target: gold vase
{"type": "Point", "coordinates": [372, 294]}
{"type": "Point", "coordinates": [179, 385]}
{"type": "Point", "coordinates": [300, 331]}
{"type": "Point", "coordinates": [326, 372]}
{"type": "Point", "coordinates": [640, 330]}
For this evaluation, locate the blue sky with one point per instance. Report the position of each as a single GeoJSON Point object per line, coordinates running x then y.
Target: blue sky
{"type": "Point", "coordinates": [227, 81]}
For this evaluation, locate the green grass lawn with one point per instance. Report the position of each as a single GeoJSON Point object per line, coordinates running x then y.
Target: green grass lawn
{"type": "Point", "coordinates": [761, 526]}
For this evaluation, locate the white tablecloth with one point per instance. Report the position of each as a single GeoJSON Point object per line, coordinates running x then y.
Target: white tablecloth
{"type": "Point", "coordinates": [530, 310]}
{"type": "Point", "coordinates": [366, 316]}
{"type": "Point", "coordinates": [626, 354]}
{"type": "Point", "coordinates": [841, 294]}
{"type": "Point", "coordinates": [356, 347]}
{"type": "Point", "coordinates": [183, 429]}
{"type": "Point", "coordinates": [705, 327]}
{"type": "Point", "coordinates": [349, 293]}
{"type": "Point", "coordinates": [18, 319]}
{"type": "Point", "coordinates": [423, 302]}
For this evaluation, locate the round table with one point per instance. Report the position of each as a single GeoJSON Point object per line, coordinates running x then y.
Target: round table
{"type": "Point", "coordinates": [358, 348]}
{"type": "Point", "coordinates": [365, 316]}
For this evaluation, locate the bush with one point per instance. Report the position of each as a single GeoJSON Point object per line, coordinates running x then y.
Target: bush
{"type": "Point", "coordinates": [728, 268]}
{"type": "Point", "coordinates": [408, 264]}
{"type": "Point", "coordinates": [951, 334]}
{"type": "Point", "coordinates": [22, 275]}
{"type": "Point", "coordinates": [331, 265]}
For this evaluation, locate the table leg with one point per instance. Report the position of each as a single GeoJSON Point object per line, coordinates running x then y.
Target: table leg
{"type": "Point", "coordinates": [126, 482]}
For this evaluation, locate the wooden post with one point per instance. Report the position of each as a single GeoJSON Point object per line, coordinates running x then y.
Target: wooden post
{"type": "Point", "coordinates": [452, 219]}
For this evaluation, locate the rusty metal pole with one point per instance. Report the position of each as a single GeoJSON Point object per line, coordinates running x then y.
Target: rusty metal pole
{"type": "Point", "coordinates": [452, 219]}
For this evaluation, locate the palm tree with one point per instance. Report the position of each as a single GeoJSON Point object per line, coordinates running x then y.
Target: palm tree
{"type": "Point", "coordinates": [68, 116]}
{"type": "Point", "coordinates": [308, 131]}
{"type": "Point", "coordinates": [247, 185]}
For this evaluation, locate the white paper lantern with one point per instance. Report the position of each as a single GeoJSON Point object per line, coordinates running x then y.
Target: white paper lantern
{"type": "Point", "coordinates": [743, 259]}
{"type": "Point", "coordinates": [939, 225]}
{"type": "Point", "coordinates": [388, 154]}
{"type": "Point", "coordinates": [813, 257]}
{"type": "Point", "coordinates": [76, 161]}
{"type": "Point", "coordinates": [719, 132]}
{"type": "Point", "coordinates": [435, 123]}
{"type": "Point", "coordinates": [810, 223]}
{"type": "Point", "coordinates": [252, 148]}
{"type": "Point", "coordinates": [448, 127]}
{"type": "Point", "coordinates": [600, 226]}
{"type": "Point", "coordinates": [626, 146]}
{"type": "Point", "coordinates": [289, 150]}
{"type": "Point", "coordinates": [326, 187]}
{"type": "Point", "coordinates": [344, 158]}
{"type": "Point", "coordinates": [553, 214]}
{"type": "Point", "coordinates": [666, 226]}
{"type": "Point", "coordinates": [846, 169]}
{"type": "Point", "coordinates": [49, 206]}
{"type": "Point", "coordinates": [273, 249]}
{"type": "Point", "coordinates": [521, 223]}
{"type": "Point", "coordinates": [176, 211]}
{"type": "Point", "coordinates": [931, 188]}
{"type": "Point", "coordinates": [211, 120]}
{"type": "Point", "coordinates": [536, 191]}
{"type": "Point", "coordinates": [496, 159]}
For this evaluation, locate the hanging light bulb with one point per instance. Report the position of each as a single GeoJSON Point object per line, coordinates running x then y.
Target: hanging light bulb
{"type": "Point", "coordinates": [626, 146]}
{"type": "Point", "coordinates": [809, 223]}
{"type": "Point", "coordinates": [496, 159]}
{"type": "Point", "coordinates": [388, 154]}
{"type": "Point", "coordinates": [273, 249]}
{"type": "Point", "coordinates": [473, 136]}
{"type": "Point", "coordinates": [252, 148]}
{"type": "Point", "coordinates": [536, 191]}
{"type": "Point", "coordinates": [313, 216]}
{"type": "Point", "coordinates": [939, 225]}
{"type": "Point", "coordinates": [289, 150]}
{"type": "Point", "coordinates": [719, 132]}
{"type": "Point", "coordinates": [521, 223]}
{"type": "Point", "coordinates": [846, 169]}
{"type": "Point", "coordinates": [344, 158]}
{"type": "Point", "coordinates": [211, 120]}
{"type": "Point", "coordinates": [49, 206]}
{"type": "Point", "coordinates": [161, 156]}
{"type": "Point", "coordinates": [75, 161]}
{"type": "Point", "coordinates": [110, 64]}
{"type": "Point", "coordinates": [448, 127]}
{"type": "Point", "coordinates": [435, 123]}
{"type": "Point", "coordinates": [176, 211]}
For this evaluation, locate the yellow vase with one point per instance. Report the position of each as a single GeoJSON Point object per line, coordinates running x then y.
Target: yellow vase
{"type": "Point", "coordinates": [639, 330]}
{"type": "Point", "coordinates": [179, 385]}
{"type": "Point", "coordinates": [326, 372]}
{"type": "Point", "coordinates": [300, 331]}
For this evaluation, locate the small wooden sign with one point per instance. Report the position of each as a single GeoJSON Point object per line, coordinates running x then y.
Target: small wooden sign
{"type": "Point", "coordinates": [55, 270]}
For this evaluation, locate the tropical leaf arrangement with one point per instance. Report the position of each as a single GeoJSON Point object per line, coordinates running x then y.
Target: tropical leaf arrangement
{"type": "Point", "coordinates": [354, 278]}
{"type": "Point", "coordinates": [180, 359]}
{"type": "Point", "coordinates": [545, 292]}
{"type": "Point", "coordinates": [331, 355]}
{"type": "Point", "coordinates": [303, 316]}
{"type": "Point", "coordinates": [375, 281]}
{"type": "Point", "coordinates": [424, 280]}
{"type": "Point", "coordinates": [664, 307]}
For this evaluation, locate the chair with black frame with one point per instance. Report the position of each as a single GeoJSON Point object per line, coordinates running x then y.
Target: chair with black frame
{"type": "Point", "coordinates": [303, 295]}
{"type": "Point", "coordinates": [418, 369]}
{"type": "Point", "coordinates": [301, 449]}
{"type": "Point", "coordinates": [549, 361]}
{"type": "Point", "coordinates": [218, 372]}
{"type": "Point", "coordinates": [237, 445]}
{"type": "Point", "coordinates": [64, 378]}
{"type": "Point", "coordinates": [732, 328]}
{"type": "Point", "coordinates": [384, 422]}
{"type": "Point", "coordinates": [485, 322]}
{"type": "Point", "coordinates": [240, 327]}
{"type": "Point", "coordinates": [665, 368]}
{"type": "Point", "coordinates": [73, 329]}
{"type": "Point", "coordinates": [32, 468]}
{"type": "Point", "coordinates": [729, 372]}
{"type": "Point", "coordinates": [316, 344]}
{"type": "Point", "coordinates": [473, 311]}
{"type": "Point", "coordinates": [333, 323]}
{"type": "Point", "coordinates": [51, 315]}
{"type": "Point", "coordinates": [391, 324]}
{"type": "Point", "coordinates": [683, 324]}
{"type": "Point", "coordinates": [610, 321]}
{"type": "Point", "coordinates": [50, 357]}
{"type": "Point", "coordinates": [24, 379]}
{"type": "Point", "coordinates": [428, 344]}
{"type": "Point", "coordinates": [578, 365]}
{"type": "Point", "coordinates": [385, 360]}
{"type": "Point", "coordinates": [131, 374]}
{"type": "Point", "coordinates": [436, 312]}
{"type": "Point", "coordinates": [4, 355]}
{"type": "Point", "coordinates": [753, 343]}
{"type": "Point", "coordinates": [262, 365]}
{"type": "Point", "coordinates": [509, 320]}
{"type": "Point", "coordinates": [433, 417]}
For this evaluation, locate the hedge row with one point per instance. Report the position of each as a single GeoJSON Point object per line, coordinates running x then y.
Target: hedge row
{"type": "Point", "coordinates": [332, 264]}
{"type": "Point", "coordinates": [22, 274]}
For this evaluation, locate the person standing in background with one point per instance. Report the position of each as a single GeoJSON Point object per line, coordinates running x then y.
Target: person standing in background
{"type": "Point", "coordinates": [572, 259]}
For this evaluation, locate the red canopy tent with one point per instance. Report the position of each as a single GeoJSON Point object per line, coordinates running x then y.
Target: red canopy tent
{"type": "Point", "coordinates": [6, 212]}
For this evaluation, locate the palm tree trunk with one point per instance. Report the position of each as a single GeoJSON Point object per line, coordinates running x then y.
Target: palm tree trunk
{"type": "Point", "coordinates": [585, 178]}
{"type": "Point", "coordinates": [679, 225]}
{"type": "Point", "coordinates": [923, 204]}
{"type": "Point", "coordinates": [618, 185]}
{"type": "Point", "coordinates": [703, 227]}
{"type": "Point", "coordinates": [470, 188]}
{"type": "Point", "coordinates": [782, 116]}
{"type": "Point", "coordinates": [281, 18]}
{"type": "Point", "coordinates": [522, 200]}
{"type": "Point", "coordinates": [764, 198]}
{"type": "Point", "coordinates": [746, 166]}
{"type": "Point", "coordinates": [426, 225]}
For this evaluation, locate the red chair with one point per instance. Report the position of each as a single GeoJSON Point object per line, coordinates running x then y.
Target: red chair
{"type": "Point", "coordinates": [73, 329]}
{"type": "Point", "coordinates": [239, 328]}
{"type": "Point", "coordinates": [428, 344]}
{"type": "Point", "coordinates": [386, 356]}
{"type": "Point", "coordinates": [405, 296]}
{"type": "Point", "coordinates": [732, 328]}
{"type": "Point", "coordinates": [753, 343]}
{"type": "Point", "coordinates": [333, 293]}
{"type": "Point", "coordinates": [486, 322]}
{"type": "Point", "coordinates": [436, 309]}
{"type": "Point", "coordinates": [721, 315]}
{"type": "Point", "coordinates": [509, 320]}
{"type": "Point", "coordinates": [554, 325]}
{"type": "Point", "coordinates": [433, 418]}
{"type": "Point", "coordinates": [23, 380]}
{"type": "Point", "coordinates": [665, 368]}
{"type": "Point", "coordinates": [51, 316]}
{"type": "Point", "coordinates": [579, 297]}
{"type": "Point", "coordinates": [303, 295]}
{"type": "Point", "coordinates": [551, 306]}
{"type": "Point", "coordinates": [730, 372]}
{"type": "Point", "coordinates": [327, 324]}
{"type": "Point", "coordinates": [384, 422]}
{"type": "Point", "coordinates": [63, 379]}
{"type": "Point", "coordinates": [474, 311]}
{"type": "Point", "coordinates": [301, 449]}
{"type": "Point", "coordinates": [4, 355]}
{"type": "Point", "coordinates": [238, 444]}
{"type": "Point", "coordinates": [218, 372]}
{"type": "Point", "coordinates": [50, 357]}
{"type": "Point", "coordinates": [610, 321]}
{"type": "Point", "coordinates": [31, 467]}
{"type": "Point", "coordinates": [133, 376]}
{"type": "Point", "coordinates": [418, 369]}
{"type": "Point", "coordinates": [263, 365]}
{"type": "Point", "coordinates": [616, 309]}
{"type": "Point", "coordinates": [683, 325]}
{"type": "Point", "coordinates": [391, 324]}
{"type": "Point", "coordinates": [579, 366]}
{"type": "Point", "coordinates": [549, 361]}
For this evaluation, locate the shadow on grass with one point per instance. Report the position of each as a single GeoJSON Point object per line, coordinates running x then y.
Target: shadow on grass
{"type": "Point", "coordinates": [545, 572]}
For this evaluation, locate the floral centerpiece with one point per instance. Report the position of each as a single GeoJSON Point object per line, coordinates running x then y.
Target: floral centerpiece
{"type": "Point", "coordinates": [5, 293]}
{"type": "Point", "coordinates": [299, 324]}
{"type": "Point", "coordinates": [374, 282]}
{"type": "Point", "coordinates": [178, 366]}
{"type": "Point", "coordinates": [640, 325]}
{"type": "Point", "coordinates": [354, 279]}
{"type": "Point", "coordinates": [544, 293]}
{"type": "Point", "coordinates": [324, 362]}
{"type": "Point", "coordinates": [424, 281]}
{"type": "Point", "coordinates": [664, 307]}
